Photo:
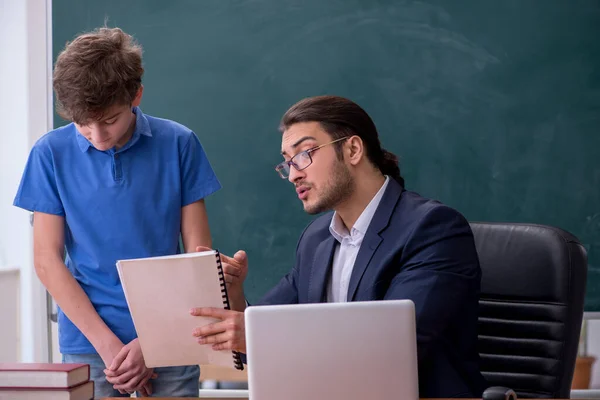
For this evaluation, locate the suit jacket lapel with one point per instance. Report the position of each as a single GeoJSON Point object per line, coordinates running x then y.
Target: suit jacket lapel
{"type": "Point", "coordinates": [373, 239]}
{"type": "Point", "coordinates": [321, 266]}
{"type": "Point", "coordinates": [370, 243]}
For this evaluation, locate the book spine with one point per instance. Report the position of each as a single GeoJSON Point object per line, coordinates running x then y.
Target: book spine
{"type": "Point", "coordinates": [237, 360]}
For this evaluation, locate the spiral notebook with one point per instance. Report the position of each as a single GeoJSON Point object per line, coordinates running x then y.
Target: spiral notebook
{"type": "Point", "coordinates": [160, 292]}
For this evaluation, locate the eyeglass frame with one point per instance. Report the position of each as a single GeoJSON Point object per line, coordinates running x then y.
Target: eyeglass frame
{"type": "Point", "coordinates": [307, 152]}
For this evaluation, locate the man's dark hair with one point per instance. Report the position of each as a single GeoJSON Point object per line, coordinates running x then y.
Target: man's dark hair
{"type": "Point", "coordinates": [341, 117]}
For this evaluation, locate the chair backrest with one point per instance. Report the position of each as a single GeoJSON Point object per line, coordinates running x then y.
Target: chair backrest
{"type": "Point", "coordinates": [531, 306]}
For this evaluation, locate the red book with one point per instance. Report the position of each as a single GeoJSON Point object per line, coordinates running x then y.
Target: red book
{"type": "Point", "coordinates": [84, 391]}
{"type": "Point", "coordinates": [43, 375]}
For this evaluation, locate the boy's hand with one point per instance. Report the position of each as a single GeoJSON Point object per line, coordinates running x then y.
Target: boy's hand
{"type": "Point", "coordinates": [109, 351]}
{"type": "Point", "coordinates": [128, 373]}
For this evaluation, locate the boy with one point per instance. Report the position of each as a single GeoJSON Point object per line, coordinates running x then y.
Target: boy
{"type": "Point", "coordinates": [113, 184]}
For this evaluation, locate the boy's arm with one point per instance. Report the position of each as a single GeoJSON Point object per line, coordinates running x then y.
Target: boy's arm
{"type": "Point", "coordinates": [194, 226]}
{"type": "Point", "coordinates": [195, 233]}
{"type": "Point", "coordinates": [48, 253]}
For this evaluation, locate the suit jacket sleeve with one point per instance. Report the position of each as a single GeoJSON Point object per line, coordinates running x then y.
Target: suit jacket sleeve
{"type": "Point", "coordinates": [439, 272]}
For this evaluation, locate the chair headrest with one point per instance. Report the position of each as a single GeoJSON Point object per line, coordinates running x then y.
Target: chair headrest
{"type": "Point", "coordinates": [527, 262]}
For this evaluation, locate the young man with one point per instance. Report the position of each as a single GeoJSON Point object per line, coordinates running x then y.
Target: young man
{"type": "Point", "coordinates": [113, 184]}
{"type": "Point", "coordinates": [381, 242]}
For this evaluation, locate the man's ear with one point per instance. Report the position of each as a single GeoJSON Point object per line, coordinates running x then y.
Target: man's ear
{"type": "Point", "coordinates": [355, 150]}
{"type": "Point", "coordinates": [138, 97]}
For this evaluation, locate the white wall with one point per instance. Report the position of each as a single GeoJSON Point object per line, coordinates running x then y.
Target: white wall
{"type": "Point", "coordinates": [10, 344]}
{"type": "Point", "coordinates": [24, 117]}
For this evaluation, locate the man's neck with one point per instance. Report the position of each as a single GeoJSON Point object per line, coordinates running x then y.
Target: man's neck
{"type": "Point", "coordinates": [366, 188]}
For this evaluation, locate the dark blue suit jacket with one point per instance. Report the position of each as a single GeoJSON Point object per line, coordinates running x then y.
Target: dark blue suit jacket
{"type": "Point", "coordinates": [416, 249]}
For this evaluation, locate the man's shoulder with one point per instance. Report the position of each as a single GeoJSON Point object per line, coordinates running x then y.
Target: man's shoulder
{"type": "Point", "coordinates": [421, 207]}
{"type": "Point", "coordinates": [415, 211]}
{"type": "Point", "coordinates": [318, 229]}
{"type": "Point", "coordinates": [411, 211]}
{"type": "Point", "coordinates": [320, 224]}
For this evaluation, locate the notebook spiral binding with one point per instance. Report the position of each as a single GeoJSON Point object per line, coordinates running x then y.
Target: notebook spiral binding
{"type": "Point", "coordinates": [237, 360]}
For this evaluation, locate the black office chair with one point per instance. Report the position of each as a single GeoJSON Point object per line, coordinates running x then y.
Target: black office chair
{"type": "Point", "coordinates": [531, 307]}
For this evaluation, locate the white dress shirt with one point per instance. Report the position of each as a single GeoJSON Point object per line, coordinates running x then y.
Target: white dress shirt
{"type": "Point", "coordinates": [347, 248]}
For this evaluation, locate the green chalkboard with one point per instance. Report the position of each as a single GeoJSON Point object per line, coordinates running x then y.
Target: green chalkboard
{"type": "Point", "coordinates": [493, 106]}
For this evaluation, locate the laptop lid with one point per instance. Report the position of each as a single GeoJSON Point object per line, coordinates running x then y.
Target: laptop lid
{"type": "Point", "coordinates": [334, 351]}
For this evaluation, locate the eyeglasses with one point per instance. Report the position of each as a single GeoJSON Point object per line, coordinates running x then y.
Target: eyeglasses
{"type": "Point", "coordinates": [301, 160]}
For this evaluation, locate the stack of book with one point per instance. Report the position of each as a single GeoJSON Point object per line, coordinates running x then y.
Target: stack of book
{"type": "Point", "coordinates": [22, 381]}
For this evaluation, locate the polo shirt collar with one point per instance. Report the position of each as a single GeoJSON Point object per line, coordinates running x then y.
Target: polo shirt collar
{"type": "Point", "coordinates": [142, 127]}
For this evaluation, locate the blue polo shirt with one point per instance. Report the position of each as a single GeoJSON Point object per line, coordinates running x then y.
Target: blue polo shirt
{"type": "Point", "coordinates": [117, 205]}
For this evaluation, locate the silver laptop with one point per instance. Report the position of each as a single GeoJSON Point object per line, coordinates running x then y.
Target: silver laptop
{"type": "Point", "coordinates": [333, 351]}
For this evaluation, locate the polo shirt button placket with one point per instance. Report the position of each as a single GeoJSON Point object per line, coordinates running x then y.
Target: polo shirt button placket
{"type": "Point", "coordinates": [117, 170]}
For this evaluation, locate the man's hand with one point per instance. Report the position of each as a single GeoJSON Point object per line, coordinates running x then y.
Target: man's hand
{"type": "Point", "coordinates": [128, 373]}
{"type": "Point", "coordinates": [235, 270]}
{"type": "Point", "coordinates": [227, 334]}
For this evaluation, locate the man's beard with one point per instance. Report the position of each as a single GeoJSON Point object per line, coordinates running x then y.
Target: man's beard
{"type": "Point", "coordinates": [339, 187]}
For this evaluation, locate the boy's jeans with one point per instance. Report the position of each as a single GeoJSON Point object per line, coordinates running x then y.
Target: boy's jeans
{"type": "Point", "coordinates": [171, 381]}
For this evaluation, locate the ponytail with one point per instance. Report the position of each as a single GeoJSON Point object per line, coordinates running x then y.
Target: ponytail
{"type": "Point", "coordinates": [389, 166]}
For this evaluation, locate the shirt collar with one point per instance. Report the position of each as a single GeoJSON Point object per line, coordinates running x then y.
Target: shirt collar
{"type": "Point", "coordinates": [142, 127]}
{"type": "Point", "coordinates": [339, 231]}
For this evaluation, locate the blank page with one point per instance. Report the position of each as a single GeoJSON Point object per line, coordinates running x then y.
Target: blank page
{"type": "Point", "coordinates": [160, 292]}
